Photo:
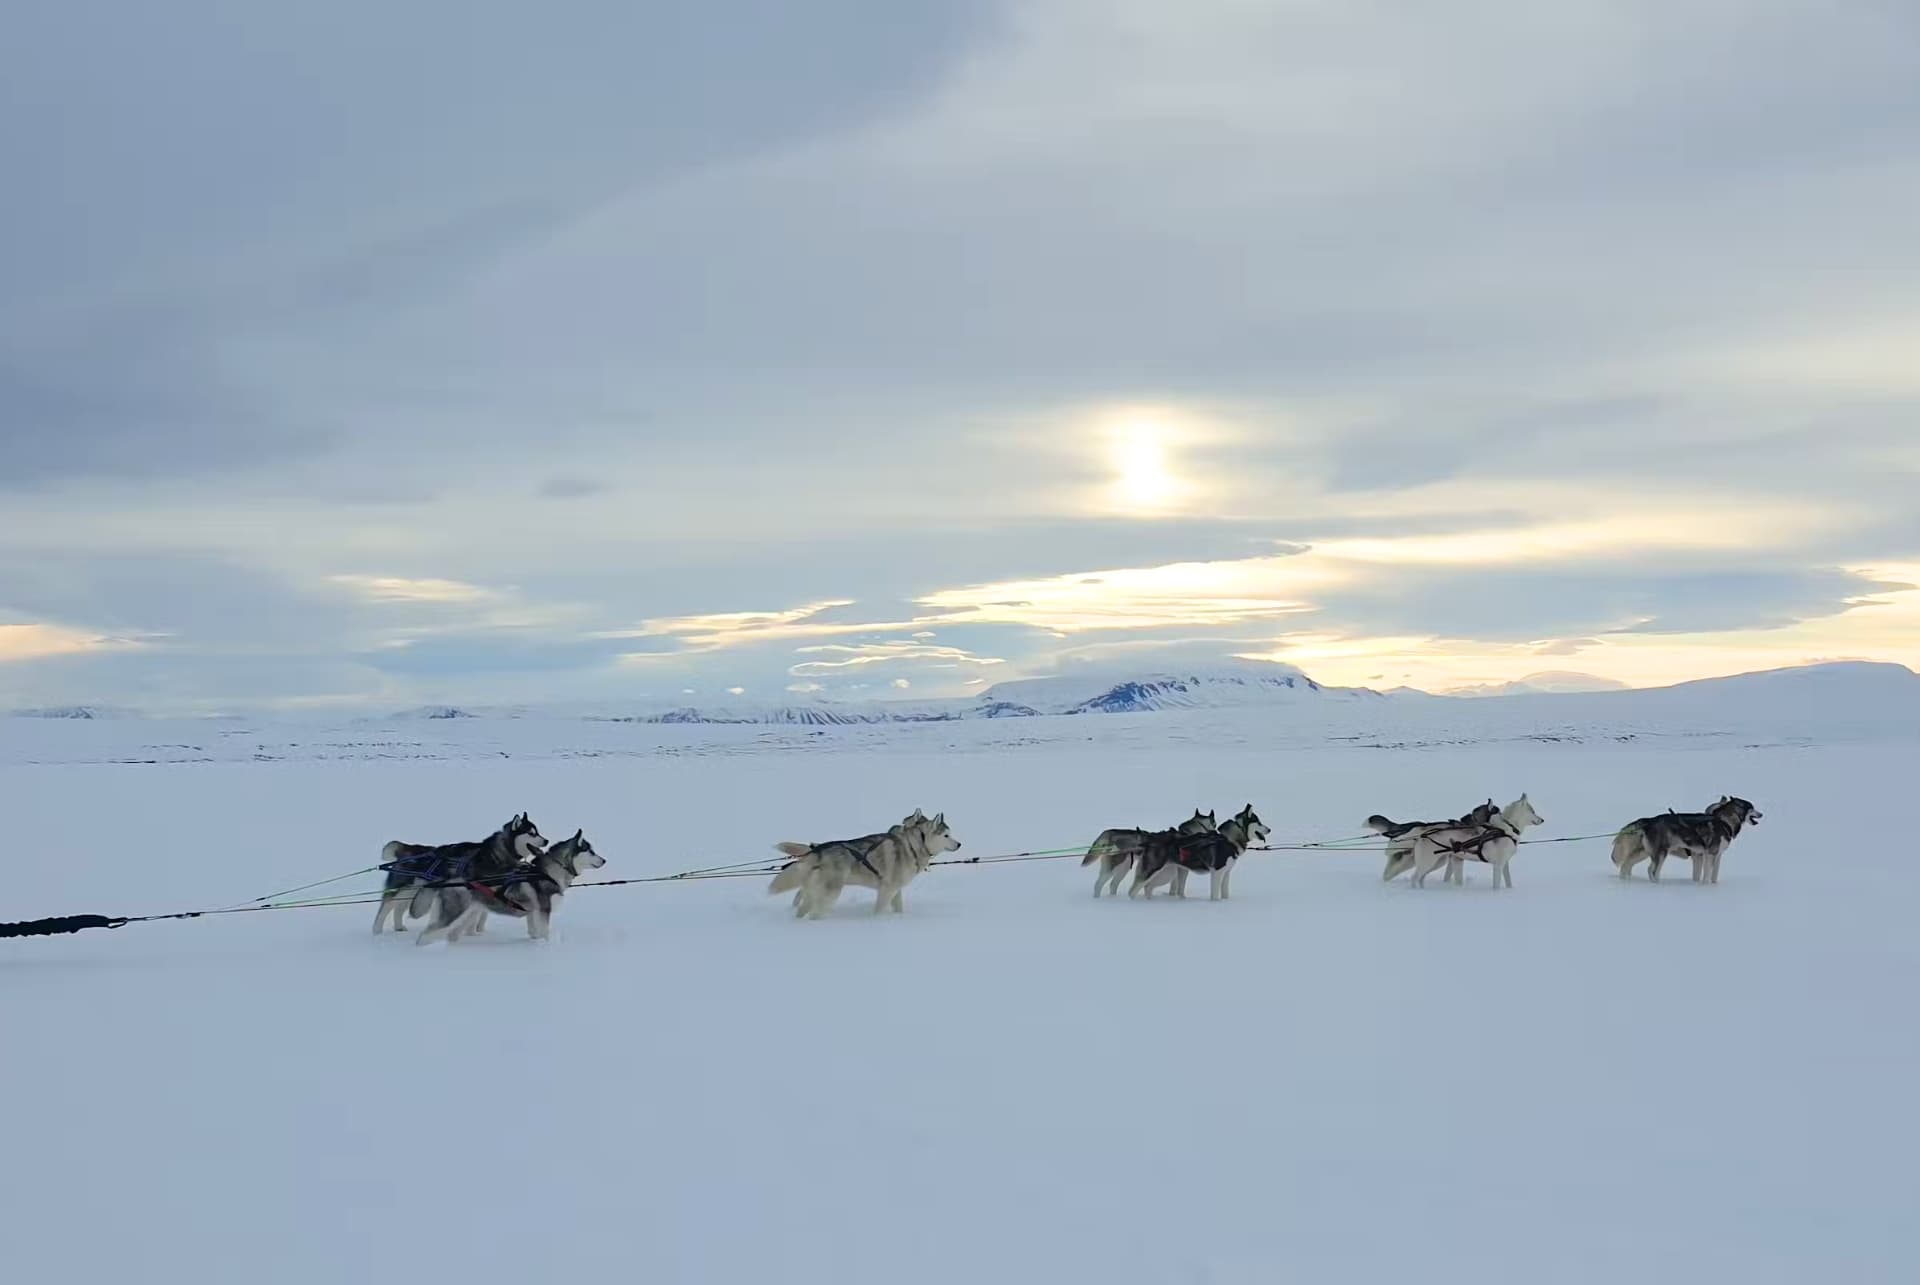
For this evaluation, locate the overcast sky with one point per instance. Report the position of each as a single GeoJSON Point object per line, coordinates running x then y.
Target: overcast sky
{"type": "Point", "coordinates": [450, 351]}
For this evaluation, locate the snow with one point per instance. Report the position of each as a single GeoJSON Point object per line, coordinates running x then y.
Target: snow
{"type": "Point", "coordinates": [1325, 1079]}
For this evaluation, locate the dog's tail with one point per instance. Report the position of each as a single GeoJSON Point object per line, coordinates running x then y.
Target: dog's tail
{"type": "Point", "coordinates": [1629, 843]}
{"type": "Point", "coordinates": [1102, 847]}
{"type": "Point", "coordinates": [793, 874]}
{"type": "Point", "coordinates": [391, 853]}
{"type": "Point", "coordinates": [1392, 829]}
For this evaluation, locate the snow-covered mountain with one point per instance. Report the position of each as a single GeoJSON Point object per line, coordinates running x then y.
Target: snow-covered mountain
{"type": "Point", "coordinates": [1088, 690]}
{"type": "Point", "coordinates": [1836, 689]}
{"type": "Point", "coordinates": [1801, 692]}
{"type": "Point", "coordinates": [1553, 680]}
{"type": "Point", "coordinates": [1107, 690]}
{"type": "Point", "coordinates": [79, 713]}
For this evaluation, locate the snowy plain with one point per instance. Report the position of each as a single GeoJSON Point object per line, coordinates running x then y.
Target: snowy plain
{"type": "Point", "coordinates": [1325, 1079]}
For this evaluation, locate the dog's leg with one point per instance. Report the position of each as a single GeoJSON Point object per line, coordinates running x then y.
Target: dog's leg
{"type": "Point", "coordinates": [1226, 881]}
{"type": "Point", "coordinates": [396, 906]}
{"type": "Point", "coordinates": [899, 901]}
{"type": "Point", "coordinates": [437, 925]}
{"type": "Point", "coordinates": [465, 922]}
{"type": "Point", "coordinates": [1425, 864]}
{"type": "Point", "coordinates": [1655, 861]}
{"type": "Point", "coordinates": [824, 894]}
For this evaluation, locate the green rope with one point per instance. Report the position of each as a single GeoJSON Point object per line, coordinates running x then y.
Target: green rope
{"type": "Point", "coordinates": [318, 883]}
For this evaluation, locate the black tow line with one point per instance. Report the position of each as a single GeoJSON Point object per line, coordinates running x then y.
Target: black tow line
{"type": "Point", "coordinates": [62, 924]}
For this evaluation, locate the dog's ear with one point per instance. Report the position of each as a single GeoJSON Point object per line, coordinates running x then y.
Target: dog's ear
{"type": "Point", "coordinates": [940, 819]}
{"type": "Point", "coordinates": [579, 834]}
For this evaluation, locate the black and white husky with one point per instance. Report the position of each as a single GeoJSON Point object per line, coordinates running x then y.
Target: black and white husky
{"type": "Point", "coordinates": [1701, 836]}
{"type": "Point", "coordinates": [1402, 835]}
{"type": "Point", "coordinates": [415, 870]}
{"type": "Point", "coordinates": [1168, 857]}
{"type": "Point", "coordinates": [1116, 849]}
{"type": "Point", "coordinates": [530, 891]}
{"type": "Point", "coordinates": [887, 863]}
{"type": "Point", "coordinates": [1495, 843]}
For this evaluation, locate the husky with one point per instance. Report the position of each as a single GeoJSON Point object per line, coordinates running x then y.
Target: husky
{"type": "Point", "coordinates": [1701, 836]}
{"type": "Point", "coordinates": [415, 870]}
{"type": "Point", "coordinates": [1116, 849]}
{"type": "Point", "coordinates": [860, 848]}
{"type": "Point", "coordinates": [1167, 857]}
{"type": "Point", "coordinates": [1401, 836]}
{"type": "Point", "coordinates": [1494, 843]}
{"type": "Point", "coordinates": [530, 891]}
{"type": "Point", "coordinates": [819, 872]}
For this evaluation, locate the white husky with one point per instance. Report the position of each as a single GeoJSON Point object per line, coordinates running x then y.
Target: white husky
{"type": "Point", "coordinates": [1495, 843]}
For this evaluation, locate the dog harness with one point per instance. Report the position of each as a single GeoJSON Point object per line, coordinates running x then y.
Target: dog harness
{"type": "Point", "coordinates": [432, 866]}
{"type": "Point", "coordinates": [494, 889]}
{"type": "Point", "coordinates": [1474, 849]}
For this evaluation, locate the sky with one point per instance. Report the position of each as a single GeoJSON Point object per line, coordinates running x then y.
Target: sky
{"type": "Point", "coordinates": [366, 354]}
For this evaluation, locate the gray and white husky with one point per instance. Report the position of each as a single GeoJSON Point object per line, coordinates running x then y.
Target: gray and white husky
{"type": "Point", "coordinates": [530, 891]}
{"type": "Point", "coordinates": [1701, 836]}
{"type": "Point", "coordinates": [1168, 857]}
{"type": "Point", "coordinates": [1495, 843]}
{"type": "Point", "coordinates": [887, 863]}
{"type": "Point", "coordinates": [1402, 835]}
{"type": "Point", "coordinates": [860, 847]}
{"type": "Point", "coordinates": [415, 870]}
{"type": "Point", "coordinates": [1116, 849]}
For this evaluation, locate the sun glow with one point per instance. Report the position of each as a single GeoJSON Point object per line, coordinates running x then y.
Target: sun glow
{"type": "Point", "coordinates": [1140, 464]}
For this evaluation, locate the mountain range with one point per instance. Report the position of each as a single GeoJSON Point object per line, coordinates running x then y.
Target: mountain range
{"type": "Point", "coordinates": [1882, 689]}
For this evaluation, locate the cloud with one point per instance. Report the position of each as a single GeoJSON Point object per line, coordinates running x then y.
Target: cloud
{"type": "Point", "coordinates": [402, 589]}
{"type": "Point", "coordinates": [37, 641]}
{"type": "Point", "coordinates": [868, 654]}
{"type": "Point", "coordinates": [717, 630]}
{"type": "Point", "coordinates": [305, 388]}
{"type": "Point", "coordinates": [572, 488]}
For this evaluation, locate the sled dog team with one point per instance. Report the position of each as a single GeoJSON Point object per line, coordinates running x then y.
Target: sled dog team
{"type": "Point", "coordinates": [515, 872]}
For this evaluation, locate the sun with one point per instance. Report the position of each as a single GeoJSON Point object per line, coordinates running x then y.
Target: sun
{"type": "Point", "coordinates": [1138, 454]}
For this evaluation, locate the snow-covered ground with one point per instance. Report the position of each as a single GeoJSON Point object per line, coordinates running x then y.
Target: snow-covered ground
{"type": "Point", "coordinates": [1326, 1079]}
